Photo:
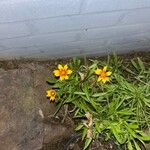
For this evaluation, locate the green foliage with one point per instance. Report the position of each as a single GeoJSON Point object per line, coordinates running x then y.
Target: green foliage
{"type": "Point", "coordinates": [119, 108]}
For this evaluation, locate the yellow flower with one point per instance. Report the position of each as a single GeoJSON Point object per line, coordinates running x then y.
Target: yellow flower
{"type": "Point", "coordinates": [51, 94]}
{"type": "Point", "coordinates": [62, 72]}
{"type": "Point", "coordinates": [103, 74]}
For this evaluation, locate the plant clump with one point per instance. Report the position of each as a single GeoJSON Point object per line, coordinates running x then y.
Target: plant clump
{"type": "Point", "coordinates": [108, 98]}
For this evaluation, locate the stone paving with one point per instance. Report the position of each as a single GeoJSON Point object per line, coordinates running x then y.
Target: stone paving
{"type": "Point", "coordinates": [24, 111]}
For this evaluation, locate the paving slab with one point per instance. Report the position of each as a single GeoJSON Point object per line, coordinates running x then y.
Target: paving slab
{"type": "Point", "coordinates": [24, 111]}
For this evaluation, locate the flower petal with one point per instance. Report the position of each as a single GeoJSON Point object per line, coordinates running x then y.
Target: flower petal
{"type": "Point", "coordinates": [69, 71]}
{"type": "Point", "coordinates": [105, 68]}
{"type": "Point", "coordinates": [61, 78]}
{"type": "Point", "coordinates": [66, 77]}
{"type": "Point", "coordinates": [65, 67]}
{"type": "Point", "coordinates": [98, 71]}
{"type": "Point", "coordinates": [104, 80]}
{"type": "Point", "coordinates": [52, 98]}
{"type": "Point", "coordinates": [99, 79]}
{"type": "Point", "coordinates": [48, 93]}
{"type": "Point", "coordinates": [108, 73]}
{"type": "Point", "coordinates": [60, 67]}
{"type": "Point", "coordinates": [56, 73]}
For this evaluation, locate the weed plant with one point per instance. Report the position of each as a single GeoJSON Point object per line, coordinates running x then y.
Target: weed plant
{"type": "Point", "coordinates": [109, 98]}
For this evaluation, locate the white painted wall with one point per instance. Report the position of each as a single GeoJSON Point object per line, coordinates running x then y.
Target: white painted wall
{"type": "Point", "coordinates": [48, 28]}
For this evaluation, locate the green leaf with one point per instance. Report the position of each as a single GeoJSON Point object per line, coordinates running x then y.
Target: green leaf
{"type": "Point", "coordinates": [136, 145]}
{"type": "Point", "coordinates": [133, 125]}
{"type": "Point", "coordinates": [79, 127]}
{"type": "Point", "coordinates": [99, 94]}
{"type": "Point", "coordinates": [93, 66]}
{"type": "Point", "coordinates": [141, 64]}
{"type": "Point", "coordinates": [82, 105]}
{"type": "Point", "coordinates": [51, 81]}
{"type": "Point", "coordinates": [95, 106]}
{"type": "Point", "coordinates": [87, 143]}
{"type": "Point", "coordinates": [79, 93]}
{"type": "Point", "coordinates": [142, 142]}
{"type": "Point", "coordinates": [129, 86]}
{"type": "Point", "coordinates": [59, 107]}
{"type": "Point", "coordinates": [86, 91]}
{"type": "Point", "coordinates": [70, 100]}
{"type": "Point", "coordinates": [146, 101]}
{"type": "Point", "coordinates": [97, 126]}
{"type": "Point", "coordinates": [84, 133]}
{"type": "Point", "coordinates": [132, 132]}
{"type": "Point", "coordinates": [76, 61]}
{"type": "Point", "coordinates": [77, 110]}
{"type": "Point", "coordinates": [118, 133]}
{"type": "Point", "coordinates": [144, 136]}
{"type": "Point", "coordinates": [120, 103]}
{"type": "Point", "coordinates": [126, 111]}
{"type": "Point", "coordinates": [129, 145]}
{"type": "Point", "coordinates": [134, 64]}
{"type": "Point", "coordinates": [57, 85]}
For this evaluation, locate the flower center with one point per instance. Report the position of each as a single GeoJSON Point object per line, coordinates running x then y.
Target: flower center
{"type": "Point", "coordinates": [103, 74]}
{"type": "Point", "coordinates": [52, 93]}
{"type": "Point", "coordinates": [62, 72]}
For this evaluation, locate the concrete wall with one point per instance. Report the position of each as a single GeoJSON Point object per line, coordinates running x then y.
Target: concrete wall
{"type": "Point", "coordinates": [48, 28]}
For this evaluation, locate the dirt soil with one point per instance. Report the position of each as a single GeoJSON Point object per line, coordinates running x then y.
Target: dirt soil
{"type": "Point", "coordinates": [30, 110]}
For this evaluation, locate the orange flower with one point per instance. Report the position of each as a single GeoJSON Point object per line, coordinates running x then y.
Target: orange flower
{"type": "Point", "coordinates": [51, 94]}
{"type": "Point", "coordinates": [62, 72]}
{"type": "Point", "coordinates": [103, 74]}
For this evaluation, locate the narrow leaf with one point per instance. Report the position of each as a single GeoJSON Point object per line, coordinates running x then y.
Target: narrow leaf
{"type": "Point", "coordinates": [79, 93]}
{"type": "Point", "coordinates": [87, 143]}
{"type": "Point", "coordinates": [129, 145]}
{"type": "Point", "coordinates": [136, 146]}
{"type": "Point", "coordinates": [79, 127]}
{"type": "Point", "coordinates": [141, 64]}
